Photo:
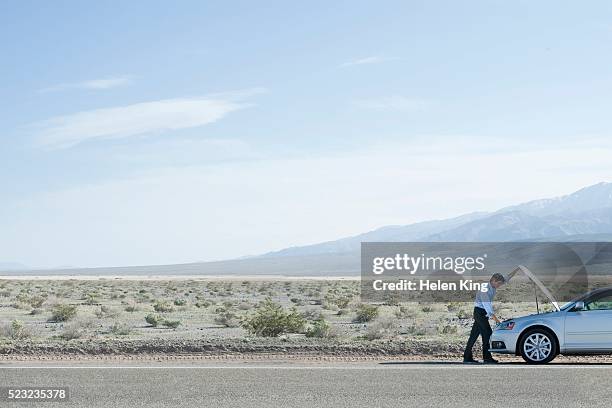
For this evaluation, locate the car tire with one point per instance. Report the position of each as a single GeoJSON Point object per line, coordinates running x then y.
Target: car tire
{"type": "Point", "coordinates": [538, 346]}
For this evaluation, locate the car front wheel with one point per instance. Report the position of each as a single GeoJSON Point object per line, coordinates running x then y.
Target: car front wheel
{"type": "Point", "coordinates": [538, 346]}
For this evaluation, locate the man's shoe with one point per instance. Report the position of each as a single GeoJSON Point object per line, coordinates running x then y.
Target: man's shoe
{"type": "Point", "coordinates": [469, 361]}
{"type": "Point", "coordinates": [490, 361]}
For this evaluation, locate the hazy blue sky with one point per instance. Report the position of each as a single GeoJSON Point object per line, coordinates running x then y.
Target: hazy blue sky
{"type": "Point", "coordinates": [160, 132]}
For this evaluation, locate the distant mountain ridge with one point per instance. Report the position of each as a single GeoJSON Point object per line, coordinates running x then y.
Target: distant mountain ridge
{"type": "Point", "coordinates": [586, 212]}
{"type": "Point", "coordinates": [585, 215]}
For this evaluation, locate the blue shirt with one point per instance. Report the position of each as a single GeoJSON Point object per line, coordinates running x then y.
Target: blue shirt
{"type": "Point", "coordinates": [484, 300]}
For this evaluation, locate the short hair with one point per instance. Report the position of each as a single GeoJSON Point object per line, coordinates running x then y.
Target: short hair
{"type": "Point", "coordinates": [498, 277]}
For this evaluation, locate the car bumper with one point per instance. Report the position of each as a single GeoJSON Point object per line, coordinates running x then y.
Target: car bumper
{"type": "Point", "coordinates": [503, 341]}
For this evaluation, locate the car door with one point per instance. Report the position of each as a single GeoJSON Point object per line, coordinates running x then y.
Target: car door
{"type": "Point", "coordinates": [590, 329]}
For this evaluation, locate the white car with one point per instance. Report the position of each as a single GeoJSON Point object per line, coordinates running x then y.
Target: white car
{"type": "Point", "coordinates": [581, 326]}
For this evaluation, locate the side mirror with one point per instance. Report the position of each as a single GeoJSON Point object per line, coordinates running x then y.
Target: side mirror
{"type": "Point", "coordinates": [579, 306]}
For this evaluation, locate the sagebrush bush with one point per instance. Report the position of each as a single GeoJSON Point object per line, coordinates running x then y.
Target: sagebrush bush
{"type": "Point", "coordinates": [380, 328]}
{"type": "Point", "coordinates": [36, 301]}
{"type": "Point", "coordinates": [15, 330]}
{"type": "Point", "coordinates": [92, 299]}
{"type": "Point", "coordinates": [153, 319]}
{"type": "Point", "coordinates": [132, 308]}
{"type": "Point", "coordinates": [163, 307]}
{"type": "Point", "coordinates": [406, 312]}
{"type": "Point", "coordinates": [76, 329]}
{"type": "Point", "coordinates": [321, 329]}
{"type": "Point", "coordinates": [271, 320]}
{"type": "Point", "coordinates": [463, 314]}
{"type": "Point", "coordinates": [107, 311]}
{"type": "Point", "coordinates": [63, 313]}
{"type": "Point", "coordinates": [227, 319]}
{"type": "Point", "coordinates": [120, 329]}
{"type": "Point", "coordinates": [366, 313]}
{"type": "Point", "coordinates": [173, 324]}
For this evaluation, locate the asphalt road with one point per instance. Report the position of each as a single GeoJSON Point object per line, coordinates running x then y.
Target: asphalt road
{"type": "Point", "coordinates": [427, 385]}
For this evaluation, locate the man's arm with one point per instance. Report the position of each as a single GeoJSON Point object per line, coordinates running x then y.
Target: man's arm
{"type": "Point", "coordinates": [487, 304]}
{"type": "Point", "coordinates": [490, 312]}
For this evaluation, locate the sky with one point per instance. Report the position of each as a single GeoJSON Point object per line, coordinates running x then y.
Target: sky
{"type": "Point", "coordinates": [146, 132]}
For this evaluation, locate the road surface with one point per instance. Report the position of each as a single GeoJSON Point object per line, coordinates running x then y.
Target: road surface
{"type": "Point", "coordinates": [429, 385]}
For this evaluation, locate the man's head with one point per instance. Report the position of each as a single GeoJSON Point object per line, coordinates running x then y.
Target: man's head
{"type": "Point", "coordinates": [497, 280]}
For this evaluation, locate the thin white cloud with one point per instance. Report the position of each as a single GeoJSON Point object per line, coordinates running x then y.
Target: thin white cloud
{"type": "Point", "coordinates": [367, 60]}
{"type": "Point", "coordinates": [92, 84]}
{"type": "Point", "coordinates": [393, 103]}
{"type": "Point", "coordinates": [138, 119]}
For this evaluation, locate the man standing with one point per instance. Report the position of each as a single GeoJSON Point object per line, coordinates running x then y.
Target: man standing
{"type": "Point", "coordinates": [483, 311]}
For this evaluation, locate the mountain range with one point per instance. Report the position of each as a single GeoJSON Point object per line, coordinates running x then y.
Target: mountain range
{"type": "Point", "coordinates": [585, 215]}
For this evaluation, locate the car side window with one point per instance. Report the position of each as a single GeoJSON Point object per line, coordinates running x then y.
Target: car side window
{"type": "Point", "coordinates": [602, 303]}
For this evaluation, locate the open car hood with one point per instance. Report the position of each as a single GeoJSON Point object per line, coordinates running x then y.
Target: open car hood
{"type": "Point", "coordinates": [538, 283]}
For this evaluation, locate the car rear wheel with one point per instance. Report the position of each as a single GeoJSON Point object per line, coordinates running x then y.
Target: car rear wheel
{"type": "Point", "coordinates": [538, 346]}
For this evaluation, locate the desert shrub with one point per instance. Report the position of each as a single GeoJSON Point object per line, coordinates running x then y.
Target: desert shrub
{"type": "Point", "coordinates": [172, 324]}
{"type": "Point", "coordinates": [63, 313]}
{"type": "Point", "coordinates": [15, 330]}
{"type": "Point", "coordinates": [379, 328]}
{"type": "Point", "coordinates": [452, 306]}
{"type": "Point", "coordinates": [153, 319]}
{"type": "Point", "coordinates": [328, 305]}
{"type": "Point", "coordinates": [406, 312]}
{"type": "Point", "coordinates": [92, 299]}
{"type": "Point", "coordinates": [203, 304]}
{"type": "Point", "coordinates": [120, 329]}
{"type": "Point", "coordinates": [448, 329]}
{"type": "Point", "coordinates": [180, 302]}
{"type": "Point", "coordinates": [392, 299]}
{"type": "Point", "coordinates": [227, 319]}
{"type": "Point", "coordinates": [132, 308]}
{"type": "Point", "coordinates": [320, 328]}
{"type": "Point", "coordinates": [76, 329]}
{"type": "Point", "coordinates": [463, 314]}
{"type": "Point", "coordinates": [107, 311]}
{"type": "Point", "coordinates": [163, 307]}
{"type": "Point", "coordinates": [36, 301]}
{"type": "Point", "coordinates": [366, 313]}
{"type": "Point", "coordinates": [343, 302]}
{"type": "Point", "coordinates": [417, 330]}
{"type": "Point", "coordinates": [271, 320]}
{"type": "Point", "coordinates": [20, 305]}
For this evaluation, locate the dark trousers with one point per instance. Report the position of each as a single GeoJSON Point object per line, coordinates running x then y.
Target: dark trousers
{"type": "Point", "coordinates": [482, 328]}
